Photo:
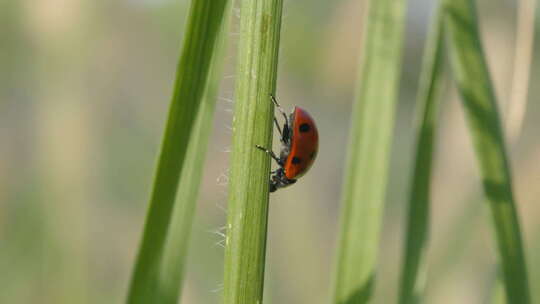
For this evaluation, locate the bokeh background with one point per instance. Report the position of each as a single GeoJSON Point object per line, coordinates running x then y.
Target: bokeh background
{"type": "Point", "coordinates": [84, 90]}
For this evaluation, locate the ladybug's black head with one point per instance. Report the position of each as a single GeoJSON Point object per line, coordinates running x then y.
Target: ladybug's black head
{"type": "Point", "coordinates": [279, 180]}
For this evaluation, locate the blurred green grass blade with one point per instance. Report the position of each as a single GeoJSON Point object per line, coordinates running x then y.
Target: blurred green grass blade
{"type": "Point", "coordinates": [203, 26]}
{"type": "Point", "coordinates": [260, 22]}
{"type": "Point", "coordinates": [177, 244]}
{"type": "Point", "coordinates": [368, 154]}
{"type": "Point", "coordinates": [471, 74]}
{"type": "Point", "coordinates": [497, 290]}
{"type": "Point", "coordinates": [428, 99]}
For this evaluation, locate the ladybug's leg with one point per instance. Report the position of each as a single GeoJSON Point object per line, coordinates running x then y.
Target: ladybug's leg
{"type": "Point", "coordinates": [278, 128]}
{"type": "Point", "coordinates": [273, 186]}
{"type": "Point", "coordinates": [279, 108]}
{"type": "Point", "coordinates": [285, 133]}
{"type": "Point", "coordinates": [269, 153]}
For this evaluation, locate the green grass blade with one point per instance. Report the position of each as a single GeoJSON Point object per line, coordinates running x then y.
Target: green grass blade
{"type": "Point", "coordinates": [204, 23]}
{"type": "Point", "coordinates": [417, 232]}
{"type": "Point", "coordinates": [177, 244]}
{"type": "Point", "coordinates": [368, 154]}
{"type": "Point", "coordinates": [260, 22]}
{"type": "Point", "coordinates": [473, 81]}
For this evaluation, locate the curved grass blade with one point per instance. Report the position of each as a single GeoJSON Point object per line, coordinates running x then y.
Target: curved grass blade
{"type": "Point", "coordinates": [177, 244]}
{"type": "Point", "coordinates": [417, 232]}
{"type": "Point", "coordinates": [260, 22]}
{"type": "Point", "coordinates": [471, 74]}
{"type": "Point", "coordinates": [368, 155]}
{"type": "Point", "coordinates": [204, 23]}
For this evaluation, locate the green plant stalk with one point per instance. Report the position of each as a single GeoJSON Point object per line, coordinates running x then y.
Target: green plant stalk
{"type": "Point", "coordinates": [260, 22]}
{"type": "Point", "coordinates": [497, 290]}
{"type": "Point", "coordinates": [368, 152]}
{"type": "Point", "coordinates": [203, 26]}
{"type": "Point", "coordinates": [417, 231]}
{"type": "Point", "coordinates": [471, 75]}
{"type": "Point", "coordinates": [177, 244]}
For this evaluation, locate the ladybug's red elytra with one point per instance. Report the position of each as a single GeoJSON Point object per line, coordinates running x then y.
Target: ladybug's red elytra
{"type": "Point", "coordinates": [299, 145]}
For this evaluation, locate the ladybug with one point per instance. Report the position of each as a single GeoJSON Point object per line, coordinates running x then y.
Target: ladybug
{"type": "Point", "coordinates": [299, 145]}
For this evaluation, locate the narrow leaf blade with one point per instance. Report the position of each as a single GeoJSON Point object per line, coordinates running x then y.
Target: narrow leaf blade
{"type": "Point", "coordinates": [417, 230]}
{"type": "Point", "coordinates": [472, 78]}
{"type": "Point", "coordinates": [368, 154]}
{"type": "Point", "coordinates": [204, 22]}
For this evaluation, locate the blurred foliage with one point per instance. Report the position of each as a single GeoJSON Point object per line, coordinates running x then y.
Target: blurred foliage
{"type": "Point", "coordinates": [84, 88]}
{"type": "Point", "coordinates": [473, 82]}
{"type": "Point", "coordinates": [368, 152]}
{"type": "Point", "coordinates": [161, 260]}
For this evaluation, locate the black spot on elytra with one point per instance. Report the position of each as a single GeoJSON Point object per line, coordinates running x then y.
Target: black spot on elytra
{"type": "Point", "coordinates": [312, 155]}
{"type": "Point", "coordinates": [304, 128]}
{"type": "Point", "coordinates": [296, 160]}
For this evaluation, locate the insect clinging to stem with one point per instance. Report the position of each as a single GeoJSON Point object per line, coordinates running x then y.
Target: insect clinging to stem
{"type": "Point", "coordinates": [299, 144]}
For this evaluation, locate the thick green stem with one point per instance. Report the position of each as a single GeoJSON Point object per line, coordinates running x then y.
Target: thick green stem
{"type": "Point", "coordinates": [260, 23]}
{"type": "Point", "coordinates": [473, 81]}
